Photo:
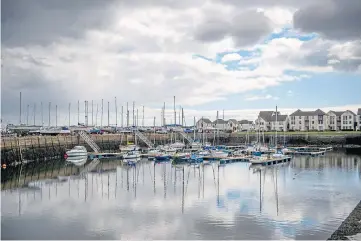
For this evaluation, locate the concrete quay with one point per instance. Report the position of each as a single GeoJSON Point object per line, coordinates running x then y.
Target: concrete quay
{"type": "Point", "coordinates": [350, 229]}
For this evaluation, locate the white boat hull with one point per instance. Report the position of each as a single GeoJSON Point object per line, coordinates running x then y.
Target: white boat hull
{"type": "Point", "coordinates": [133, 156]}
{"type": "Point", "coordinates": [219, 154]}
{"type": "Point", "coordinates": [76, 154]}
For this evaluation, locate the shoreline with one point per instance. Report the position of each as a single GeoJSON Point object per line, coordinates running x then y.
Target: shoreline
{"type": "Point", "coordinates": [351, 226]}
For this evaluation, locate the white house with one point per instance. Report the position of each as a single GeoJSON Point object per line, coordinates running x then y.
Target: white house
{"type": "Point", "coordinates": [220, 124]}
{"type": "Point", "coordinates": [348, 120]}
{"type": "Point", "coordinates": [333, 120]}
{"type": "Point", "coordinates": [308, 120]}
{"type": "Point", "coordinates": [245, 125]}
{"type": "Point", "coordinates": [281, 124]}
{"type": "Point", "coordinates": [232, 125]}
{"type": "Point", "coordinates": [204, 123]}
{"type": "Point", "coordinates": [267, 121]}
{"type": "Point", "coordinates": [358, 118]}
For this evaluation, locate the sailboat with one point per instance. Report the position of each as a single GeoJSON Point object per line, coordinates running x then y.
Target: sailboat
{"type": "Point", "coordinates": [132, 155]}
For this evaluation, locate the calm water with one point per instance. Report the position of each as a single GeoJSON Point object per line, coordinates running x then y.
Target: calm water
{"type": "Point", "coordinates": [305, 199]}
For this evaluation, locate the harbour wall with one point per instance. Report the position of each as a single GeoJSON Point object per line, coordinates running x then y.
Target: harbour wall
{"type": "Point", "coordinates": [222, 139]}
{"type": "Point", "coordinates": [44, 148]}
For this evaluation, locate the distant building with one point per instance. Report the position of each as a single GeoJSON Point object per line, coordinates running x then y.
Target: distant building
{"type": "Point", "coordinates": [266, 121]}
{"type": "Point", "coordinates": [333, 120]}
{"type": "Point", "coordinates": [308, 120]}
{"type": "Point", "coordinates": [232, 125]}
{"type": "Point", "coordinates": [220, 124]}
{"type": "Point", "coordinates": [245, 125]}
{"type": "Point", "coordinates": [348, 120]}
{"type": "Point", "coordinates": [204, 123]}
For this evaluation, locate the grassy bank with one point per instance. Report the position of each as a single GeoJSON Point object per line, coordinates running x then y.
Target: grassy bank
{"type": "Point", "coordinates": [315, 133]}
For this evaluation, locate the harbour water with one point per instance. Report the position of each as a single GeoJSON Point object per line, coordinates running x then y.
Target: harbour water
{"type": "Point", "coordinates": [307, 198]}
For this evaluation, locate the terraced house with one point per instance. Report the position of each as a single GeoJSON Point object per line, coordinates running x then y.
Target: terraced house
{"type": "Point", "coordinates": [266, 121]}
{"type": "Point", "coordinates": [333, 120]}
{"type": "Point", "coordinates": [204, 123]}
{"type": "Point", "coordinates": [245, 125]}
{"type": "Point", "coordinates": [308, 120]}
{"type": "Point", "coordinates": [348, 120]}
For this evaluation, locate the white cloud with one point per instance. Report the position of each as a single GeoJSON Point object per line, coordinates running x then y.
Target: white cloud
{"type": "Point", "coordinates": [231, 57]}
{"type": "Point", "coordinates": [290, 93]}
{"type": "Point", "coordinates": [258, 97]}
{"type": "Point", "coordinates": [146, 55]}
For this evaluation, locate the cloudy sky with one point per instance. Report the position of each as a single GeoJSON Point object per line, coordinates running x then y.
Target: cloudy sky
{"type": "Point", "coordinates": [238, 55]}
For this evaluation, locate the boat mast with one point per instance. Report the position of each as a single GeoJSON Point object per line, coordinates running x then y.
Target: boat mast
{"type": "Point", "coordinates": [69, 112]}
{"type": "Point", "coordinates": [133, 114]}
{"type": "Point", "coordinates": [136, 120]}
{"type": "Point", "coordinates": [20, 109]}
{"type": "Point", "coordinates": [122, 123]}
{"type": "Point", "coordinates": [27, 115]}
{"type": "Point", "coordinates": [34, 112]}
{"type": "Point", "coordinates": [96, 116]}
{"type": "Point", "coordinates": [164, 114]}
{"type": "Point", "coordinates": [154, 130]}
{"type": "Point", "coordinates": [42, 114]}
{"type": "Point", "coordinates": [143, 117]}
{"type": "Point", "coordinates": [116, 114]}
{"type": "Point", "coordinates": [194, 128]}
{"type": "Point", "coordinates": [175, 113]}
{"type": "Point", "coordinates": [92, 113]}
{"type": "Point", "coordinates": [101, 114]}
{"type": "Point", "coordinates": [56, 115]}
{"type": "Point", "coordinates": [78, 114]}
{"type": "Point", "coordinates": [217, 128]}
{"type": "Point", "coordinates": [49, 112]}
{"type": "Point", "coordinates": [108, 115]}
{"type": "Point", "coordinates": [276, 129]}
{"type": "Point", "coordinates": [85, 113]}
{"type": "Point", "coordinates": [127, 115]}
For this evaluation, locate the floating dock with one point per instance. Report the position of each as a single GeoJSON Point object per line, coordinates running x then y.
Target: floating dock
{"type": "Point", "coordinates": [234, 159]}
{"type": "Point", "coordinates": [271, 161]}
{"type": "Point", "coordinates": [105, 155]}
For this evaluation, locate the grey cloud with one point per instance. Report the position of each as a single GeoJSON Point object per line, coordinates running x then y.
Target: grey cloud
{"type": "Point", "coordinates": [41, 22]}
{"type": "Point", "coordinates": [319, 54]}
{"type": "Point", "coordinates": [268, 3]}
{"type": "Point", "coordinates": [212, 30]}
{"type": "Point", "coordinates": [250, 27]}
{"type": "Point", "coordinates": [246, 28]}
{"type": "Point", "coordinates": [339, 20]}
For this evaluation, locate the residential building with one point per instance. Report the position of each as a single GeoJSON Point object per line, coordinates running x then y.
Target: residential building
{"type": "Point", "coordinates": [263, 121]}
{"type": "Point", "coordinates": [267, 121]}
{"type": "Point", "coordinates": [308, 120]}
{"type": "Point", "coordinates": [333, 120]}
{"type": "Point", "coordinates": [232, 125]}
{"type": "Point", "coordinates": [220, 124]}
{"type": "Point", "coordinates": [348, 120]}
{"type": "Point", "coordinates": [204, 123]}
{"type": "Point", "coordinates": [281, 124]}
{"type": "Point", "coordinates": [358, 118]}
{"type": "Point", "coordinates": [245, 125]}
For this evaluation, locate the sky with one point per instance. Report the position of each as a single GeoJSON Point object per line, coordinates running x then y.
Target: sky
{"type": "Point", "coordinates": [240, 56]}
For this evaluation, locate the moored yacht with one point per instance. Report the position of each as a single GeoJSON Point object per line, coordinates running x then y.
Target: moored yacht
{"type": "Point", "coordinates": [76, 152]}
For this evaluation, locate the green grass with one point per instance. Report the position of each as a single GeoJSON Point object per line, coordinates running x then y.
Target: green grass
{"type": "Point", "coordinates": [317, 133]}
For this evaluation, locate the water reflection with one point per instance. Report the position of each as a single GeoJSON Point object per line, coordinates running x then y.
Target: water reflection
{"type": "Point", "coordinates": [160, 201]}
